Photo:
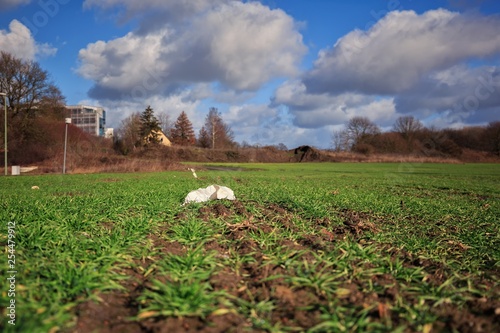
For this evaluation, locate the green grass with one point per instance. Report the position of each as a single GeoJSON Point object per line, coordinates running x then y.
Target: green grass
{"type": "Point", "coordinates": [429, 231]}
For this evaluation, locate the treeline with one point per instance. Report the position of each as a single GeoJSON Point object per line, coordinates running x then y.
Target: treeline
{"type": "Point", "coordinates": [36, 111]}
{"type": "Point", "coordinates": [143, 130]}
{"type": "Point", "coordinates": [409, 136]}
{"type": "Point", "coordinates": [34, 107]}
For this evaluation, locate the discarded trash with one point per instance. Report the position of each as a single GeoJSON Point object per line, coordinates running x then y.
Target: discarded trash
{"type": "Point", "coordinates": [212, 192]}
{"type": "Point", "coordinates": [194, 173]}
{"type": "Point", "coordinates": [35, 187]}
{"type": "Point", "coordinates": [28, 169]}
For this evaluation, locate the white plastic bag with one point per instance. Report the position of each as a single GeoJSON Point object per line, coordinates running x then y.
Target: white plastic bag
{"type": "Point", "coordinates": [212, 192]}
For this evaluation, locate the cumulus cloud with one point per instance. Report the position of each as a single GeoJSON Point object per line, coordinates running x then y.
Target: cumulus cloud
{"type": "Point", "coordinates": [8, 4]}
{"type": "Point", "coordinates": [424, 65]}
{"type": "Point", "coordinates": [262, 124]}
{"type": "Point", "coordinates": [400, 49]}
{"type": "Point", "coordinates": [317, 110]}
{"type": "Point", "coordinates": [240, 45]}
{"type": "Point", "coordinates": [457, 88]}
{"type": "Point", "coordinates": [20, 43]}
{"type": "Point", "coordinates": [172, 105]}
{"type": "Point", "coordinates": [455, 96]}
{"type": "Point", "coordinates": [226, 50]}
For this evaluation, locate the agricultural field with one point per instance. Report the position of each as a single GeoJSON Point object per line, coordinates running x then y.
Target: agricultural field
{"type": "Point", "coordinates": [313, 247]}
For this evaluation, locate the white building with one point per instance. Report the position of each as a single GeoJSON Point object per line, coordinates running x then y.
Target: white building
{"type": "Point", "coordinates": [90, 119]}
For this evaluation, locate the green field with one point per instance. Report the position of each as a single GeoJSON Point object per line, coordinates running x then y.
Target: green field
{"type": "Point", "coordinates": [320, 247]}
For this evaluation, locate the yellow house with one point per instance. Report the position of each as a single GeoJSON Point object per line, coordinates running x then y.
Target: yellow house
{"type": "Point", "coordinates": [161, 136]}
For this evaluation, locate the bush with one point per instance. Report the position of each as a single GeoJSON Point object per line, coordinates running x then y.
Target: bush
{"type": "Point", "coordinates": [363, 148]}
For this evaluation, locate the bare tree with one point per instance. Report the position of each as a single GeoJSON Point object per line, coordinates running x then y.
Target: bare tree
{"type": "Point", "coordinates": [340, 140]}
{"type": "Point", "coordinates": [27, 86]}
{"type": "Point", "coordinates": [29, 93]}
{"type": "Point", "coordinates": [128, 135]}
{"type": "Point", "coordinates": [165, 122]}
{"type": "Point", "coordinates": [492, 137]}
{"type": "Point", "coordinates": [359, 130]}
{"type": "Point", "coordinates": [220, 134]}
{"type": "Point", "coordinates": [408, 127]}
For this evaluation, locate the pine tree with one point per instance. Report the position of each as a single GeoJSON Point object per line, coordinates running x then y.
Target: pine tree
{"type": "Point", "coordinates": [183, 133]}
{"type": "Point", "coordinates": [203, 138]}
{"type": "Point", "coordinates": [150, 126]}
{"type": "Point", "coordinates": [219, 133]}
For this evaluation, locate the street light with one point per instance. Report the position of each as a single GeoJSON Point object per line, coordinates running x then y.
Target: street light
{"type": "Point", "coordinates": [5, 140]}
{"type": "Point", "coordinates": [68, 121]}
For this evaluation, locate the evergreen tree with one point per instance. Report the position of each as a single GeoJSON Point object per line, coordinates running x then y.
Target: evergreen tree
{"type": "Point", "coordinates": [183, 133]}
{"type": "Point", "coordinates": [150, 126]}
{"type": "Point", "coordinates": [203, 138]}
{"type": "Point", "coordinates": [219, 133]}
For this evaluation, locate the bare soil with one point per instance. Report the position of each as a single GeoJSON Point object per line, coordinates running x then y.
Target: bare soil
{"type": "Point", "coordinates": [296, 307]}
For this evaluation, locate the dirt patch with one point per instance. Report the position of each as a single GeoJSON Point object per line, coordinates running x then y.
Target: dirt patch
{"type": "Point", "coordinates": [165, 246]}
{"type": "Point", "coordinates": [263, 281]}
{"type": "Point", "coordinates": [108, 316]}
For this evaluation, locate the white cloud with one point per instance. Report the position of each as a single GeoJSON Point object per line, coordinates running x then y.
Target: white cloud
{"type": "Point", "coordinates": [172, 105]}
{"type": "Point", "coordinates": [405, 64]}
{"type": "Point", "coordinates": [250, 115]}
{"type": "Point", "coordinates": [225, 51]}
{"type": "Point", "coordinates": [240, 45]}
{"type": "Point", "coordinates": [458, 93]}
{"type": "Point", "coordinates": [400, 49]}
{"type": "Point", "coordinates": [318, 110]}
{"type": "Point", "coordinates": [20, 43]}
{"type": "Point", "coordinates": [267, 125]}
{"type": "Point", "coordinates": [130, 64]}
{"type": "Point", "coordinates": [251, 44]}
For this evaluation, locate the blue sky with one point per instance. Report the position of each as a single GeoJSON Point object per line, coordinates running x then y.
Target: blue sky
{"type": "Point", "coordinates": [280, 71]}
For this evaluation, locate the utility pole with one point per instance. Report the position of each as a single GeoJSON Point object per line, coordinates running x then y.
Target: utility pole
{"type": "Point", "coordinates": [5, 140]}
{"type": "Point", "coordinates": [68, 121]}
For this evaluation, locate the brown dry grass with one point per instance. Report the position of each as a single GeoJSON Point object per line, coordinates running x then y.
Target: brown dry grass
{"type": "Point", "coordinates": [103, 159]}
{"type": "Point", "coordinates": [388, 158]}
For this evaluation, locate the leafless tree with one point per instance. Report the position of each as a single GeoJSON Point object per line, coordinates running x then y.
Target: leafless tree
{"type": "Point", "coordinates": [220, 134]}
{"type": "Point", "coordinates": [492, 137]}
{"type": "Point", "coordinates": [407, 125]}
{"type": "Point", "coordinates": [165, 122]}
{"type": "Point", "coordinates": [359, 129]}
{"type": "Point", "coordinates": [29, 94]}
{"type": "Point", "coordinates": [27, 86]}
{"type": "Point", "coordinates": [128, 135]}
{"type": "Point", "coordinates": [340, 140]}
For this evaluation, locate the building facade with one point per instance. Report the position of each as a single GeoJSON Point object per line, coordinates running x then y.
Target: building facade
{"type": "Point", "coordinates": [90, 119]}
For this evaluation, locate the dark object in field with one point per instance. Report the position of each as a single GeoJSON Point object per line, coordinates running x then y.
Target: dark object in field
{"type": "Point", "coordinates": [306, 154]}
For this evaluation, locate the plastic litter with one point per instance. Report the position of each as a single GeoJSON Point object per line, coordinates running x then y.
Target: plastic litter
{"type": "Point", "coordinates": [212, 192]}
{"type": "Point", "coordinates": [194, 173]}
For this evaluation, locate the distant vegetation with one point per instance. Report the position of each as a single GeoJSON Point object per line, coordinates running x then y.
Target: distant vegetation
{"type": "Point", "coordinates": [36, 131]}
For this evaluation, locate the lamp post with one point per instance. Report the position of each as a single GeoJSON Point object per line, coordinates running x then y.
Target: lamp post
{"type": "Point", "coordinates": [68, 121]}
{"type": "Point", "coordinates": [5, 140]}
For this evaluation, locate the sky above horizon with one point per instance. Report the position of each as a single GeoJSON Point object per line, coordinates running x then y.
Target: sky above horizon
{"type": "Point", "coordinates": [279, 71]}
